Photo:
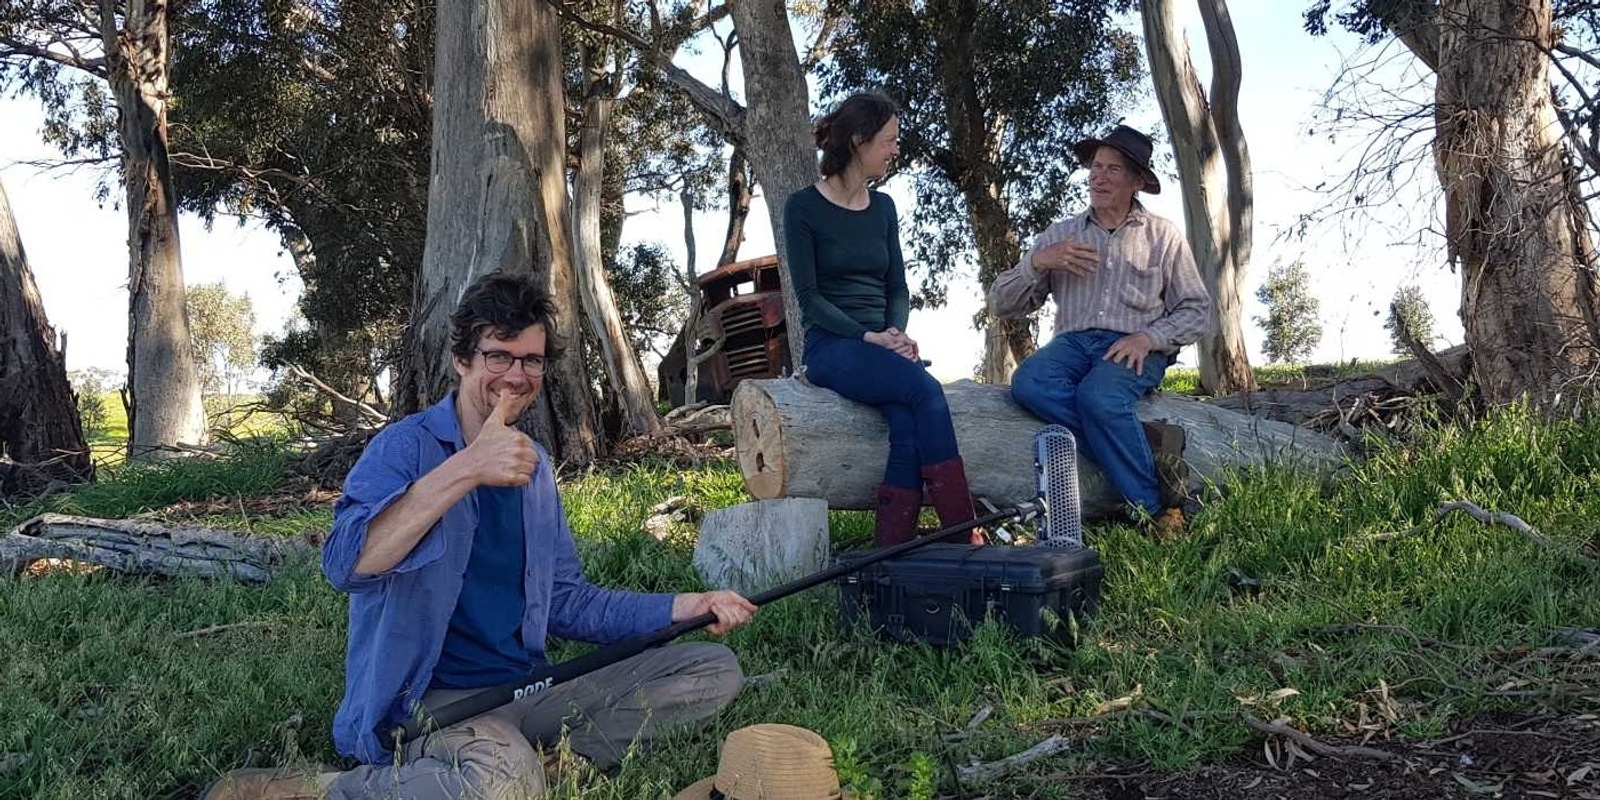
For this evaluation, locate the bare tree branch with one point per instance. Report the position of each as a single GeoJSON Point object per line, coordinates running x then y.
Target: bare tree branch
{"type": "Point", "coordinates": [1582, 55]}
{"type": "Point", "coordinates": [11, 47]}
{"type": "Point", "coordinates": [723, 113]}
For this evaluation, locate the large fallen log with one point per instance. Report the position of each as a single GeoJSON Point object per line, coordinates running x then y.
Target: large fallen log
{"type": "Point", "coordinates": [1329, 400]}
{"type": "Point", "coordinates": [796, 440]}
{"type": "Point", "coordinates": [143, 547]}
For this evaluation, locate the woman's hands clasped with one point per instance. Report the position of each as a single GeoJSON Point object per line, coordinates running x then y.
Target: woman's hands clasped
{"type": "Point", "coordinates": [893, 339]}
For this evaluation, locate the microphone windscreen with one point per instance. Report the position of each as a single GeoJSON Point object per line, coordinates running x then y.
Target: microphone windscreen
{"type": "Point", "coordinates": [1055, 465]}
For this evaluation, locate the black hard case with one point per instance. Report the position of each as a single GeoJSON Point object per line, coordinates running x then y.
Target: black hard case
{"type": "Point", "coordinates": [938, 592]}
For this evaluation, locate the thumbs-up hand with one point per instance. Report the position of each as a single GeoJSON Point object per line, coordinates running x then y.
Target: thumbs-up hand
{"type": "Point", "coordinates": [504, 455]}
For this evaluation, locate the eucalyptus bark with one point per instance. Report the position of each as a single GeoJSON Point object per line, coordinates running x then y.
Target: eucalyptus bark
{"type": "Point", "coordinates": [1529, 292]}
{"type": "Point", "coordinates": [497, 200]}
{"type": "Point", "coordinates": [777, 127]}
{"type": "Point", "coordinates": [1214, 174]}
{"type": "Point", "coordinates": [163, 382]}
{"type": "Point", "coordinates": [624, 373]}
{"type": "Point", "coordinates": [39, 423]}
{"type": "Point", "coordinates": [738, 206]}
{"type": "Point", "coordinates": [689, 336]}
{"type": "Point", "coordinates": [968, 165]}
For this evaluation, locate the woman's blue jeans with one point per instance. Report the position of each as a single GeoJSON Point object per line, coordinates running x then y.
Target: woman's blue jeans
{"type": "Point", "coordinates": [911, 401]}
{"type": "Point", "coordinates": [1069, 382]}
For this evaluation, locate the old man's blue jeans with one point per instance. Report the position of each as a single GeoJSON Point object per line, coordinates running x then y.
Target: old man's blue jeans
{"type": "Point", "coordinates": [1069, 382]}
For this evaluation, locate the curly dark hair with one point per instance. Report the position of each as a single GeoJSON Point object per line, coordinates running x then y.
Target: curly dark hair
{"type": "Point", "coordinates": [856, 120]}
{"type": "Point", "coordinates": [506, 304]}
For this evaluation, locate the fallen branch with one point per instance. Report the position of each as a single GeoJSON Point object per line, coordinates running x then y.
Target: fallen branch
{"type": "Point", "coordinates": [214, 629]}
{"type": "Point", "coordinates": [1454, 388]}
{"type": "Point", "coordinates": [1501, 518]}
{"type": "Point", "coordinates": [147, 548]}
{"type": "Point", "coordinates": [1320, 748]}
{"type": "Point", "coordinates": [30, 481]}
{"type": "Point", "coordinates": [375, 417]}
{"type": "Point", "coordinates": [972, 725]}
{"type": "Point", "coordinates": [1495, 732]}
{"type": "Point", "coordinates": [694, 420]}
{"type": "Point", "coordinates": [993, 770]}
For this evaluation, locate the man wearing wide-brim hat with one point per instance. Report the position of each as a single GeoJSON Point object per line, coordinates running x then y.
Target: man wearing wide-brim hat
{"type": "Point", "coordinates": [1128, 296]}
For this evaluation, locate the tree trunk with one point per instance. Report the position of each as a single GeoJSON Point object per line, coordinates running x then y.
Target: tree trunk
{"type": "Point", "coordinates": [971, 168]}
{"type": "Point", "coordinates": [39, 421]}
{"type": "Point", "coordinates": [624, 373]}
{"type": "Point", "coordinates": [497, 200]}
{"type": "Point", "coordinates": [738, 207]}
{"type": "Point", "coordinates": [164, 385]}
{"type": "Point", "coordinates": [690, 334]}
{"type": "Point", "coordinates": [1528, 298]}
{"type": "Point", "coordinates": [797, 440]}
{"type": "Point", "coordinates": [1226, 74]}
{"type": "Point", "coordinates": [777, 126]}
{"type": "Point", "coordinates": [1213, 170]}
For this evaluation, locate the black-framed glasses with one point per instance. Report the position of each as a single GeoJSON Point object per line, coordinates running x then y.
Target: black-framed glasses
{"type": "Point", "coordinates": [499, 361]}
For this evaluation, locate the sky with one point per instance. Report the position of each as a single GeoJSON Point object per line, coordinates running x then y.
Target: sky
{"type": "Point", "coordinates": [77, 246]}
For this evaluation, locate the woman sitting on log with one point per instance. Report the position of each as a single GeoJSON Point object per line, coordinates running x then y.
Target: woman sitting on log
{"type": "Point", "coordinates": [843, 243]}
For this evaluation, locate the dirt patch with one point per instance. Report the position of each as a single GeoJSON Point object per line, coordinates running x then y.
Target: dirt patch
{"type": "Point", "coordinates": [1506, 756]}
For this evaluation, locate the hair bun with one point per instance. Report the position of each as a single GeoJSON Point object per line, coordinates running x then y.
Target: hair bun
{"type": "Point", "coordinates": [820, 133]}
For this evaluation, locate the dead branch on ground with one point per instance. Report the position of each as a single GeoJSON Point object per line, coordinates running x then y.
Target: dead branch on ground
{"type": "Point", "coordinates": [1501, 518]}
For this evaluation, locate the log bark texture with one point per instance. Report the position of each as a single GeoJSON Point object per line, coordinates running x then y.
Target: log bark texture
{"type": "Point", "coordinates": [797, 440]}
{"type": "Point", "coordinates": [142, 547]}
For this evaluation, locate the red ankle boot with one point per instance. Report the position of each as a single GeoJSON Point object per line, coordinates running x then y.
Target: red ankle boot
{"type": "Point", "coordinates": [952, 498]}
{"type": "Point", "coordinates": [897, 512]}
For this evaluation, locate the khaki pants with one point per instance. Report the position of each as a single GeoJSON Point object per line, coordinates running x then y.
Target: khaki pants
{"type": "Point", "coordinates": [493, 756]}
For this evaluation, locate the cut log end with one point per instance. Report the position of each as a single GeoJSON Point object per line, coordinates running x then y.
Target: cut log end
{"type": "Point", "coordinates": [758, 439]}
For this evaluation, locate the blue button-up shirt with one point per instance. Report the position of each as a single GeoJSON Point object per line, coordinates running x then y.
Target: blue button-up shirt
{"type": "Point", "coordinates": [398, 618]}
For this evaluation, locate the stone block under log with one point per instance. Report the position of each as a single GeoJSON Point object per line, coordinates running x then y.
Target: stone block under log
{"type": "Point", "coordinates": [751, 547]}
{"type": "Point", "coordinates": [797, 440]}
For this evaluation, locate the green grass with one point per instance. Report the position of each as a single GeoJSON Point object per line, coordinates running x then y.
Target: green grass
{"type": "Point", "coordinates": [1280, 587]}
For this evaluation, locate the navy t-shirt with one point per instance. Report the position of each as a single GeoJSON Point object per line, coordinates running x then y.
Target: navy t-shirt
{"type": "Point", "coordinates": [484, 644]}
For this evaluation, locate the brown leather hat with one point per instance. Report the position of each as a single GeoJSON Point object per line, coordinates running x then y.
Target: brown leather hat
{"type": "Point", "coordinates": [1131, 143]}
{"type": "Point", "coordinates": [770, 762]}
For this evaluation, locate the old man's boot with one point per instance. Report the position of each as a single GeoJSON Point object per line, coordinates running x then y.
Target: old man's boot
{"type": "Point", "coordinates": [1167, 442]}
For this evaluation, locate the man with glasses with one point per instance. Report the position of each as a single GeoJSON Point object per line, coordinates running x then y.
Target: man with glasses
{"type": "Point", "coordinates": [451, 542]}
